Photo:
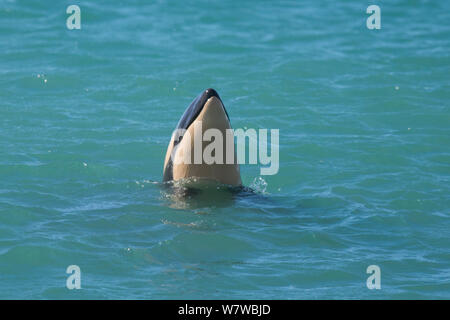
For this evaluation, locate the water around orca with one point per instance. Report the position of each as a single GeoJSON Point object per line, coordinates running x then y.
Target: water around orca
{"type": "Point", "coordinates": [364, 178]}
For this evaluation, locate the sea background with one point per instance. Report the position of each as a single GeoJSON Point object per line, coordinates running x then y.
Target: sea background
{"type": "Point", "coordinates": [364, 179]}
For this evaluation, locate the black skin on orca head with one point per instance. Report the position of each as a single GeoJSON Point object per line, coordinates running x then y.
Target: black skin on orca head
{"type": "Point", "coordinates": [186, 120]}
{"type": "Point", "coordinates": [194, 110]}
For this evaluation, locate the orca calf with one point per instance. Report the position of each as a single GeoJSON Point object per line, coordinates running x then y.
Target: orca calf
{"type": "Point", "coordinates": [185, 156]}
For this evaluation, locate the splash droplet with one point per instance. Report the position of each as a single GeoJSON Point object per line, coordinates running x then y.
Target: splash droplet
{"type": "Point", "coordinates": [259, 185]}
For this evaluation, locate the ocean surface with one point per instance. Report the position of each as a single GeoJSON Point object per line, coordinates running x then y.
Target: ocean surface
{"type": "Point", "coordinates": [364, 118]}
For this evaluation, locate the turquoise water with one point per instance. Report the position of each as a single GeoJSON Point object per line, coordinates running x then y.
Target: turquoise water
{"type": "Point", "coordinates": [86, 116]}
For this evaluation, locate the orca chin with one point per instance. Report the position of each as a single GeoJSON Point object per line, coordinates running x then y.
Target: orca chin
{"type": "Point", "coordinates": [185, 156]}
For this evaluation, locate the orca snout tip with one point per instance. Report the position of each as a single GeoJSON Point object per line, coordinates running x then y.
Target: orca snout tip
{"type": "Point", "coordinates": [210, 92]}
{"type": "Point", "coordinates": [210, 89]}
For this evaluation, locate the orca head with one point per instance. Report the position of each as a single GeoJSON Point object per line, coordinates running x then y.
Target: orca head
{"type": "Point", "coordinates": [208, 99]}
{"type": "Point", "coordinates": [208, 109]}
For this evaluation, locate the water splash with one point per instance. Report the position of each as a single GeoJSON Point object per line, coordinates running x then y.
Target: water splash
{"type": "Point", "coordinates": [259, 185]}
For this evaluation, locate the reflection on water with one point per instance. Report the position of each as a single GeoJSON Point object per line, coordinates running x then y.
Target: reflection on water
{"type": "Point", "coordinates": [195, 193]}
